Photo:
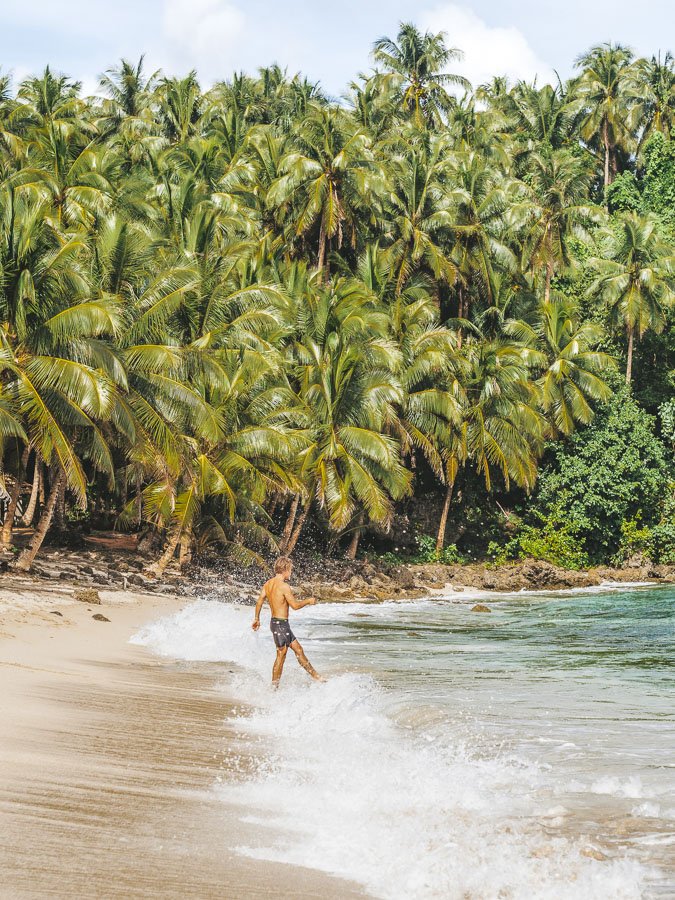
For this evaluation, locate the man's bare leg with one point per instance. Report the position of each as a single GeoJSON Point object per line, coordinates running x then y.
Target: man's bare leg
{"type": "Point", "coordinates": [278, 665]}
{"type": "Point", "coordinates": [304, 662]}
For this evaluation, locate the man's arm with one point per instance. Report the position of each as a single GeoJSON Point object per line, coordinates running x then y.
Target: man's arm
{"type": "Point", "coordinates": [258, 607]}
{"type": "Point", "coordinates": [297, 604]}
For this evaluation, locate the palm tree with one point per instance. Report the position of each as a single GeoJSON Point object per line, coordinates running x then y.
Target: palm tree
{"type": "Point", "coordinates": [325, 181]}
{"type": "Point", "coordinates": [652, 91]}
{"type": "Point", "coordinates": [346, 384]}
{"type": "Point", "coordinates": [417, 217]}
{"type": "Point", "coordinates": [563, 350]}
{"type": "Point", "coordinates": [635, 278]}
{"type": "Point", "coordinates": [555, 211]}
{"type": "Point", "coordinates": [420, 61]}
{"type": "Point", "coordinates": [602, 90]}
{"type": "Point", "coordinates": [479, 201]}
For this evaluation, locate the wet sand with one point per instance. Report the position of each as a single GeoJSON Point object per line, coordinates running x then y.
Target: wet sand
{"type": "Point", "coordinates": [107, 757]}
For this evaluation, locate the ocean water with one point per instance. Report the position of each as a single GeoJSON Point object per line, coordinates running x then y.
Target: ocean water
{"type": "Point", "coordinates": [524, 753]}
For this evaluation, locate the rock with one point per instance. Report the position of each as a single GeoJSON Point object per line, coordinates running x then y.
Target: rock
{"type": "Point", "coordinates": [87, 595]}
{"type": "Point", "coordinates": [593, 853]}
{"type": "Point", "coordinates": [356, 583]}
{"type": "Point", "coordinates": [141, 580]}
{"type": "Point", "coordinates": [55, 612]}
{"type": "Point", "coordinates": [404, 578]}
{"type": "Point", "coordinates": [480, 607]}
{"type": "Point", "coordinates": [100, 618]}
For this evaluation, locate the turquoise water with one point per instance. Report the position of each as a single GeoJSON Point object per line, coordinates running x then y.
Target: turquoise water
{"type": "Point", "coordinates": [525, 752]}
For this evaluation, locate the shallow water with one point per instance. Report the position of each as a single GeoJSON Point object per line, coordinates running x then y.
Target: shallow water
{"type": "Point", "coordinates": [524, 753]}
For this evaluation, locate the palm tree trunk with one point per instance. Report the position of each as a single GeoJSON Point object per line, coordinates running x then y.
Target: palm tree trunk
{"type": "Point", "coordinates": [460, 313]}
{"type": "Point", "coordinates": [605, 140]}
{"type": "Point", "coordinates": [298, 528]}
{"type": "Point", "coordinates": [169, 552]}
{"type": "Point", "coordinates": [321, 260]}
{"type": "Point", "coordinates": [629, 363]}
{"type": "Point", "coordinates": [14, 494]}
{"type": "Point", "coordinates": [290, 522]}
{"type": "Point", "coordinates": [440, 539]}
{"type": "Point", "coordinates": [28, 556]}
{"type": "Point", "coordinates": [60, 511]}
{"type": "Point", "coordinates": [350, 553]}
{"type": "Point", "coordinates": [185, 552]}
{"type": "Point", "coordinates": [549, 277]}
{"type": "Point", "coordinates": [35, 490]}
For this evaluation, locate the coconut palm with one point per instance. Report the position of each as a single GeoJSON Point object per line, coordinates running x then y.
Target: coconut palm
{"type": "Point", "coordinates": [345, 380]}
{"type": "Point", "coordinates": [564, 350]}
{"type": "Point", "coordinates": [420, 61]}
{"type": "Point", "coordinates": [602, 90]}
{"type": "Point", "coordinates": [325, 181]}
{"type": "Point", "coordinates": [556, 210]}
{"type": "Point", "coordinates": [652, 91]}
{"type": "Point", "coordinates": [417, 217]}
{"type": "Point", "coordinates": [635, 279]}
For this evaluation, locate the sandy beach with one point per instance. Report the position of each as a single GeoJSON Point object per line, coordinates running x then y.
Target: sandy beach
{"type": "Point", "coordinates": [107, 758]}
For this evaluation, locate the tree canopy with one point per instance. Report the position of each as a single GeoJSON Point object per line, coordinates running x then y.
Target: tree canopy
{"type": "Point", "coordinates": [232, 313]}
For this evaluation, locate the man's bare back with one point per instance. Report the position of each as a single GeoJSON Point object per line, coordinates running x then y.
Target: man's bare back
{"type": "Point", "coordinates": [280, 597]}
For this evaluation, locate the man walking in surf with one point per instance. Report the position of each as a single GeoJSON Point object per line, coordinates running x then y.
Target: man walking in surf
{"type": "Point", "coordinates": [279, 596]}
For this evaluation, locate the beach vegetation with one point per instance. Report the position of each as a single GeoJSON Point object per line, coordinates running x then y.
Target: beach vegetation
{"type": "Point", "coordinates": [247, 318]}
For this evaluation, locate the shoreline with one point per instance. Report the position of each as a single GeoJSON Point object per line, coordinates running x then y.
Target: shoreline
{"type": "Point", "coordinates": [328, 579]}
{"type": "Point", "coordinates": [108, 759]}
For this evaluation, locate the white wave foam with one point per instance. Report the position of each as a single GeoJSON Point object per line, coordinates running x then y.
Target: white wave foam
{"type": "Point", "coordinates": [407, 812]}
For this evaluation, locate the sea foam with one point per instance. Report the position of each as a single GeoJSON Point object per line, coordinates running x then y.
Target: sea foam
{"type": "Point", "coordinates": [344, 786]}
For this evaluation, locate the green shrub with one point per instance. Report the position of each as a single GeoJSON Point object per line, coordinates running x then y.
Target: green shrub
{"type": "Point", "coordinates": [604, 475]}
{"type": "Point", "coordinates": [427, 553]}
{"type": "Point", "coordinates": [501, 554]}
{"type": "Point", "coordinates": [554, 543]}
{"type": "Point", "coordinates": [635, 538]}
{"type": "Point", "coordinates": [662, 542]}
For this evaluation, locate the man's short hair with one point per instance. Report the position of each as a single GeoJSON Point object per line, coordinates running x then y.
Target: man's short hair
{"type": "Point", "coordinates": [283, 564]}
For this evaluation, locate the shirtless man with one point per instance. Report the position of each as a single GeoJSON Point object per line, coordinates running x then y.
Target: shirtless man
{"type": "Point", "coordinates": [279, 596]}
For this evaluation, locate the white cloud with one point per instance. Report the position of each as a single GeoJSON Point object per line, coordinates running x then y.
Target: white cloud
{"type": "Point", "coordinates": [201, 33]}
{"type": "Point", "coordinates": [487, 50]}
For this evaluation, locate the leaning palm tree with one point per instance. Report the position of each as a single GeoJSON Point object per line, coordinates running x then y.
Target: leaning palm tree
{"type": "Point", "coordinates": [635, 279]}
{"type": "Point", "coordinates": [420, 61]}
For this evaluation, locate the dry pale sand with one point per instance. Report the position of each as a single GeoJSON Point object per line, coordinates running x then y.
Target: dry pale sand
{"type": "Point", "coordinates": [107, 756]}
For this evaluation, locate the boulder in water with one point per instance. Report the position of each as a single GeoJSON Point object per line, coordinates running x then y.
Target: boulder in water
{"type": "Point", "coordinates": [480, 607]}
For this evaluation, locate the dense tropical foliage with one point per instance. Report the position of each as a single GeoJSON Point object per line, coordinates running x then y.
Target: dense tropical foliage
{"type": "Point", "coordinates": [252, 316]}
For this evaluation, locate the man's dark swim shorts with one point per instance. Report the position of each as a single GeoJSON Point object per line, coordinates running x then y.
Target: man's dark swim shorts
{"type": "Point", "coordinates": [281, 632]}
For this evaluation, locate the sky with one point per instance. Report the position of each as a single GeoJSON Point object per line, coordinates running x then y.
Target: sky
{"type": "Point", "coordinates": [328, 41]}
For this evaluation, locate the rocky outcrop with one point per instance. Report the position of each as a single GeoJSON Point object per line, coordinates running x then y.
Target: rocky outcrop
{"type": "Point", "coordinates": [328, 580]}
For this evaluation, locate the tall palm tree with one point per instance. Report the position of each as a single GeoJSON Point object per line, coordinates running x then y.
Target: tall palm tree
{"type": "Point", "coordinates": [635, 278]}
{"type": "Point", "coordinates": [345, 381]}
{"type": "Point", "coordinates": [652, 91]}
{"type": "Point", "coordinates": [603, 92]}
{"type": "Point", "coordinates": [564, 351]}
{"type": "Point", "coordinates": [417, 217]}
{"type": "Point", "coordinates": [556, 210]}
{"type": "Point", "coordinates": [325, 180]}
{"type": "Point", "coordinates": [420, 61]}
